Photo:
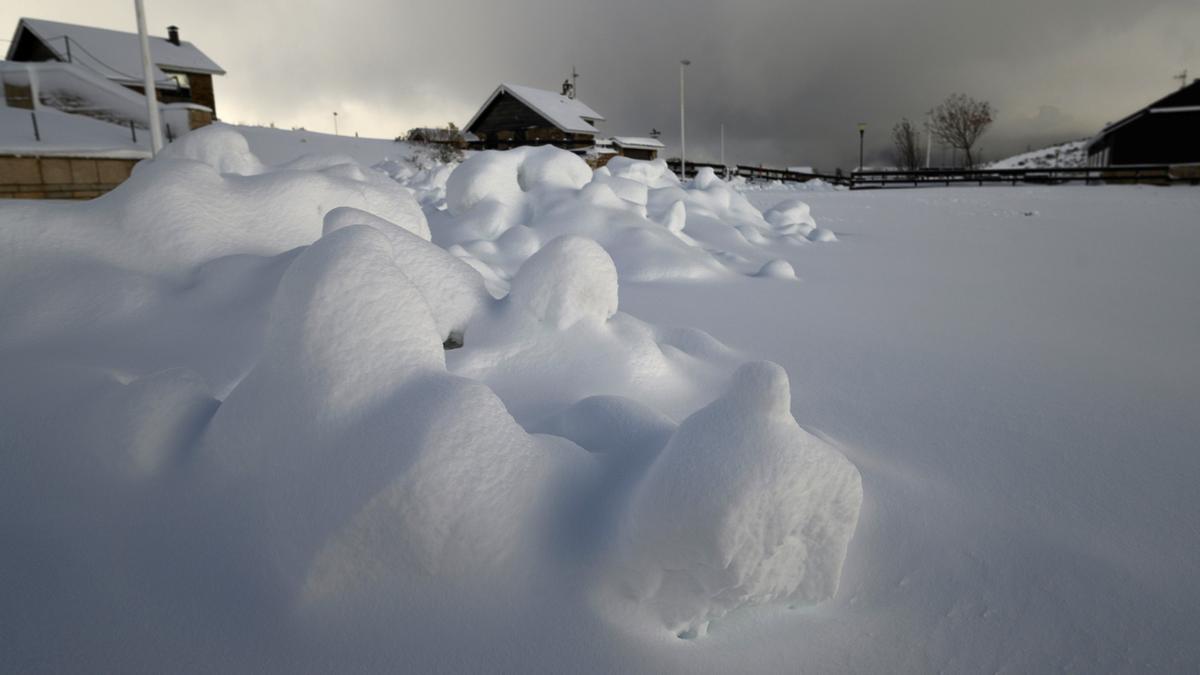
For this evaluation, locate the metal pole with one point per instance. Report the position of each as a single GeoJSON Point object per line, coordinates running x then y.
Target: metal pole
{"type": "Point", "coordinates": [723, 149]}
{"type": "Point", "coordinates": [682, 125]}
{"type": "Point", "coordinates": [335, 132]}
{"type": "Point", "coordinates": [928, 141]}
{"type": "Point", "coordinates": [37, 135]}
{"type": "Point", "coordinates": [156, 142]}
{"type": "Point", "coordinates": [862, 131]}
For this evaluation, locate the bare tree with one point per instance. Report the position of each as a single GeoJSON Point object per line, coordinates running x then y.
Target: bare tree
{"type": "Point", "coordinates": [959, 121]}
{"type": "Point", "coordinates": [906, 140]}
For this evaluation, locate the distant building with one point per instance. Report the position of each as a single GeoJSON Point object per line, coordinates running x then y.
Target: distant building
{"type": "Point", "coordinates": [514, 116]}
{"type": "Point", "coordinates": [182, 73]}
{"type": "Point", "coordinates": [1164, 132]}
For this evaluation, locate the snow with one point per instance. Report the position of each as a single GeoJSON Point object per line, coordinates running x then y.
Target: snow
{"type": "Point", "coordinates": [64, 134]}
{"type": "Point", "coordinates": [742, 507]}
{"type": "Point", "coordinates": [116, 54]}
{"type": "Point", "coordinates": [231, 436]}
{"type": "Point", "coordinates": [569, 280]}
{"type": "Point", "coordinates": [638, 142]}
{"type": "Point", "coordinates": [1064, 155]}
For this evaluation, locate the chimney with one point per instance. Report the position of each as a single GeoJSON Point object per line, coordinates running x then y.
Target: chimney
{"type": "Point", "coordinates": [173, 35]}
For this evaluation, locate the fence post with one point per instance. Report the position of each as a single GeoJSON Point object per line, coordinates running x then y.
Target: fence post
{"type": "Point", "coordinates": [37, 135]}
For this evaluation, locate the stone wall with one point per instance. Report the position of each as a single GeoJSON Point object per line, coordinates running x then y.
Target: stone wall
{"type": "Point", "coordinates": [61, 177]}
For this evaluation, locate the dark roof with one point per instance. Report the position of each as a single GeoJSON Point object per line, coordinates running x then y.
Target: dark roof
{"type": "Point", "coordinates": [1183, 98]}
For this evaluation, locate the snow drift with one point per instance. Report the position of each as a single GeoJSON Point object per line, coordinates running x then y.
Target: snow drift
{"type": "Point", "coordinates": [250, 358]}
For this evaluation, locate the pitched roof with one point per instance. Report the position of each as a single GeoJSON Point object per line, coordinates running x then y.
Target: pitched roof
{"type": "Point", "coordinates": [638, 142]}
{"type": "Point", "coordinates": [115, 54]}
{"type": "Point", "coordinates": [1177, 101]}
{"type": "Point", "coordinates": [568, 114]}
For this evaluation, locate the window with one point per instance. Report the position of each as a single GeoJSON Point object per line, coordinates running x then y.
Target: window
{"type": "Point", "coordinates": [181, 80]}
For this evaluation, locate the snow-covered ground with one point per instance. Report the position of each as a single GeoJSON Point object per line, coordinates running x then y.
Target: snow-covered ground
{"type": "Point", "coordinates": [278, 146]}
{"type": "Point", "coordinates": [1064, 155]}
{"type": "Point", "coordinates": [691, 428]}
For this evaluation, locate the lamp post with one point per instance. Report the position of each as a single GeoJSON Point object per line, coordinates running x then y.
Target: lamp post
{"type": "Point", "coordinates": [335, 132]}
{"type": "Point", "coordinates": [682, 125]}
{"type": "Point", "coordinates": [862, 130]}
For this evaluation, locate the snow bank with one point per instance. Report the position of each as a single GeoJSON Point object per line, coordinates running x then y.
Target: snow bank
{"type": "Point", "coordinates": [742, 507]}
{"type": "Point", "coordinates": [227, 383]}
{"type": "Point", "coordinates": [500, 207]}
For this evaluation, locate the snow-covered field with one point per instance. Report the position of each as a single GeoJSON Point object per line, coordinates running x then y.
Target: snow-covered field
{"type": "Point", "coordinates": [690, 428]}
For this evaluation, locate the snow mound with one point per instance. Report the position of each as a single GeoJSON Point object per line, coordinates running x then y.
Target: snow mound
{"type": "Point", "coordinates": [741, 508]}
{"type": "Point", "coordinates": [789, 212]}
{"type": "Point", "coordinates": [452, 289]}
{"type": "Point", "coordinates": [227, 386]}
{"type": "Point", "coordinates": [653, 226]}
{"type": "Point", "coordinates": [777, 269]}
{"type": "Point", "coordinates": [571, 279]}
{"type": "Point", "coordinates": [823, 235]}
{"type": "Point", "coordinates": [218, 146]}
{"type": "Point", "coordinates": [502, 176]}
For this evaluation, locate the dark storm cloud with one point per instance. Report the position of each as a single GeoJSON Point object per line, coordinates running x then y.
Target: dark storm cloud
{"type": "Point", "coordinates": [788, 79]}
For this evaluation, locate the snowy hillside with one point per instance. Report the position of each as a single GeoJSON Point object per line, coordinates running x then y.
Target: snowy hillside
{"type": "Point", "coordinates": [1064, 155]}
{"type": "Point", "coordinates": [270, 410]}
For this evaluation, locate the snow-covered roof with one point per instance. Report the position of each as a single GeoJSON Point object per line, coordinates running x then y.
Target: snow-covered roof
{"type": "Point", "coordinates": [115, 54]}
{"type": "Point", "coordinates": [638, 142]}
{"type": "Point", "coordinates": [568, 114]}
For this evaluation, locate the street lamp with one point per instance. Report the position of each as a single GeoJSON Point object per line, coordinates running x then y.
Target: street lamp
{"type": "Point", "coordinates": [335, 133]}
{"type": "Point", "coordinates": [682, 125]}
{"type": "Point", "coordinates": [862, 130]}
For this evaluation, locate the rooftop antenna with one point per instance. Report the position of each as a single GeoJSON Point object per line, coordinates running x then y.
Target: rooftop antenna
{"type": "Point", "coordinates": [655, 133]}
{"type": "Point", "coordinates": [1182, 77]}
{"type": "Point", "coordinates": [574, 82]}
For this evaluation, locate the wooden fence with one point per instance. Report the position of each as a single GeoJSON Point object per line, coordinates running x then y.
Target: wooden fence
{"type": "Point", "coordinates": [1154, 174]}
{"type": "Point", "coordinates": [758, 172]}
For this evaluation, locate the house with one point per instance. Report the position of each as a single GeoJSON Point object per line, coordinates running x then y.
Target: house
{"type": "Point", "coordinates": [637, 148]}
{"type": "Point", "coordinates": [514, 115]}
{"type": "Point", "coordinates": [1164, 132]}
{"type": "Point", "coordinates": [182, 73]}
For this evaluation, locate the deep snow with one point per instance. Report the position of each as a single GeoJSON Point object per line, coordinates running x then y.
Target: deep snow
{"type": "Point", "coordinates": [232, 440]}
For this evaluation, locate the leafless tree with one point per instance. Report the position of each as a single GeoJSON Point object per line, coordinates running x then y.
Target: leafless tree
{"type": "Point", "coordinates": [906, 140]}
{"type": "Point", "coordinates": [959, 121]}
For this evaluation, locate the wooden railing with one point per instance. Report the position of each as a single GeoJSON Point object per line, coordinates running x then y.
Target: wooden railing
{"type": "Point", "coordinates": [758, 172]}
{"type": "Point", "coordinates": [1157, 174]}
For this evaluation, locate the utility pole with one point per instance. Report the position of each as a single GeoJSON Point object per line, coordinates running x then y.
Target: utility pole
{"type": "Point", "coordinates": [335, 131]}
{"type": "Point", "coordinates": [156, 142]}
{"type": "Point", "coordinates": [862, 131]}
{"type": "Point", "coordinates": [723, 146]}
{"type": "Point", "coordinates": [682, 125]}
{"type": "Point", "coordinates": [1182, 77]}
{"type": "Point", "coordinates": [928, 140]}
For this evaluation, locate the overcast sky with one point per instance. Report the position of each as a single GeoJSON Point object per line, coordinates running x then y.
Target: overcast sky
{"type": "Point", "coordinates": [789, 79]}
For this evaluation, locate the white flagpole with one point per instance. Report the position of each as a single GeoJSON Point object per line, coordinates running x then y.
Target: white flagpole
{"type": "Point", "coordinates": [156, 142]}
